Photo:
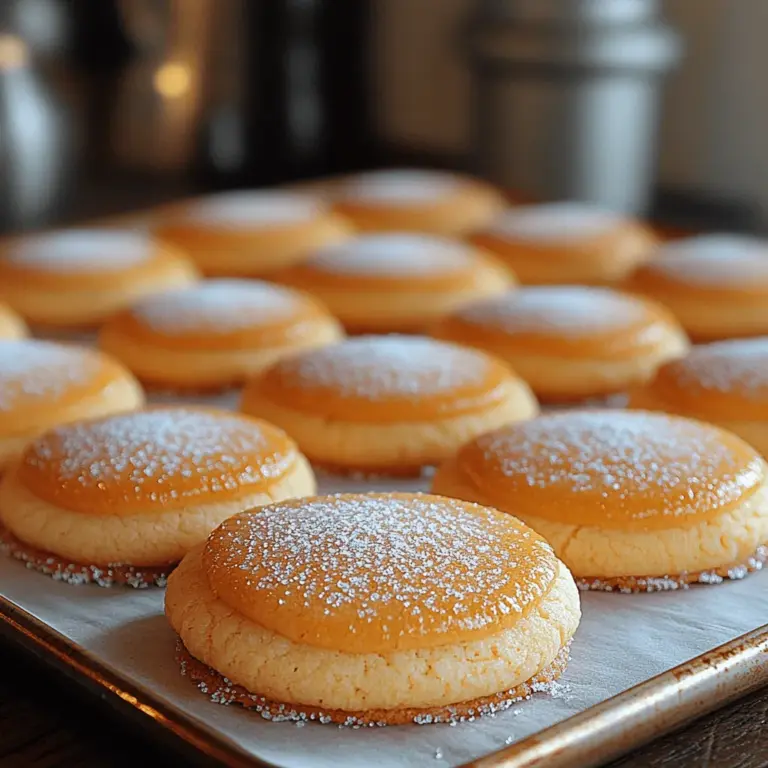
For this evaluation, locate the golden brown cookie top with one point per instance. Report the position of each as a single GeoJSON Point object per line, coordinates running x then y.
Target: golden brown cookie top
{"type": "Point", "coordinates": [380, 379]}
{"type": "Point", "coordinates": [400, 187]}
{"type": "Point", "coordinates": [416, 200]}
{"type": "Point", "coordinates": [630, 470]}
{"type": "Point", "coordinates": [549, 223]}
{"type": "Point", "coordinates": [160, 458]}
{"type": "Point", "coordinates": [380, 572]}
{"type": "Point", "coordinates": [223, 313]}
{"type": "Point", "coordinates": [563, 320]}
{"type": "Point", "coordinates": [724, 380]}
{"type": "Point", "coordinates": [82, 257]}
{"type": "Point", "coordinates": [38, 379]}
{"type": "Point", "coordinates": [717, 264]}
{"type": "Point", "coordinates": [250, 210]}
{"type": "Point", "coordinates": [397, 260]}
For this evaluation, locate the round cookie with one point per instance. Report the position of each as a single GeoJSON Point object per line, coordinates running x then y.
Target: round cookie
{"type": "Point", "coordinates": [397, 282]}
{"type": "Point", "coordinates": [629, 500]}
{"type": "Point", "coordinates": [44, 384]}
{"type": "Point", "coordinates": [249, 233]}
{"type": "Point", "coordinates": [724, 383]}
{"type": "Point", "coordinates": [570, 342]}
{"type": "Point", "coordinates": [716, 285]}
{"type": "Point", "coordinates": [123, 499]}
{"type": "Point", "coordinates": [414, 200]}
{"type": "Point", "coordinates": [216, 333]}
{"type": "Point", "coordinates": [78, 278]}
{"type": "Point", "coordinates": [387, 405]}
{"type": "Point", "coordinates": [11, 325]}
{"type": "Point", "coordinates": [567, 243]}
{"type": "Point", "coordinates": [373, 609]}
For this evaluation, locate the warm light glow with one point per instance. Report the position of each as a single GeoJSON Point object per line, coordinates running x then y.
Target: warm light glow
{"type": "Point", "coordinates": [13, 52]}
{"type": "Point", "coordinates": [172, 80]}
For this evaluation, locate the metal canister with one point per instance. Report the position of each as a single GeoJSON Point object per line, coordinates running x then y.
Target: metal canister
{"type": "Point", "coordinates": [567, 97]}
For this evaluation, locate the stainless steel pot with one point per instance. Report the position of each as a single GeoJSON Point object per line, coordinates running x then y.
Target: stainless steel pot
{"type": "Point", "coordinates": [567, 96]}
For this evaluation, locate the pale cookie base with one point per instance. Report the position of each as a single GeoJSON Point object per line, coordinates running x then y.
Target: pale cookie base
{"type": "Point", "coordinates": [205, 371]}
{"type": "Point", "coordinates": [609, 554]}
{"type": "Point", "coordinates": [422, 678]}
{"type": "Point", "coordinates": [568, 379]}
{"type": "Point", "coordinates": [385, 448]}
{"type": "Point", "coordinates": [11, 325]}
{"type": "Point", "coordinates": [115, 574]}
{"type": "Point", "coordinates": [409, 310]}
{"type": "Point", "coordinates": [708, 317]}
{"type": "Point", "coordinates": [80, 309]}
{"type": "Point", "coordinates": [223, 691]}
{"type": "Point", "coordinates": [601, 260]}
{"type": "Point", "coordinates": [146, 536]}
{"type": "Point", "coordinates": [634, 584]}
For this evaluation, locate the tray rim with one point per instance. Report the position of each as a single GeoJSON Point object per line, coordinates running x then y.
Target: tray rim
{"type": "Point", "coordinates": [56, 649]}
{"type": "Point", "coordinates": [600, 733]}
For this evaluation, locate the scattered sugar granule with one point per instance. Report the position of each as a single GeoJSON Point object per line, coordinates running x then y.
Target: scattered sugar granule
{"type": "Point", "coordinates": [81, 250]}
{"type": "Point", "coordinates": [720, 260]}
{"type": "Point", "coordinates": [218, 306]}
{"type": "Point", "coordinates": [379, 367]}
{"type": "Point", "coordinates": [164, 454]}
{"type": "Point", "coordinates": [569, 310]}
{"type": "Point", "coordinates": [32, 369]}
{"type": "Point", "coordinates": [407, 255]}
{"type": "Point", "coordinates": [254, 209]}
{"type": "Point", "coordinates": [555, 222]}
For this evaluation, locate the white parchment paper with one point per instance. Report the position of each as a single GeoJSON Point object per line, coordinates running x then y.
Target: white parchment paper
{"type": "Point", "coordinates": [623, 640]}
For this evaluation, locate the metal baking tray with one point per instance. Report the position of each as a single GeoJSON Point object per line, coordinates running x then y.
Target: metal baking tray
{"type": "Point", "coordinates": [641, 666]}
{"type": "Point", "coordinates": [94, 633]}
{"type": "Point", "coordinates": [591, 737]}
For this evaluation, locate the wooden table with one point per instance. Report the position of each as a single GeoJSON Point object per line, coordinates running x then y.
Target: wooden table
{"type": "Point", "coordinates": [47, 722]}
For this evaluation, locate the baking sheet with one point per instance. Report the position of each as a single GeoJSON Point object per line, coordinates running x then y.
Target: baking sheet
{"type": "Point", "coordinates": [623, 640]}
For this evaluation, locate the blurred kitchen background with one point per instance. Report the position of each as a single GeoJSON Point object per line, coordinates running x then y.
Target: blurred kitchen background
{"type": "Point", "coordinates": [649, 107]}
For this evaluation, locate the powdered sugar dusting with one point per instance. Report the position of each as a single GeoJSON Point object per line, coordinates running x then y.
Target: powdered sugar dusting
{"type": "Point", "coordinates": [738, 366]}
{"type": "Point", "coordinates": [81, 250]}
{"type": "Point", "coordinates": [399, 186]}
{"type": "Point", "coordinates": [42, 370]}
{"type": "Point", "coordinates": [401, 564]}
{"type": "Point", "coordinates": [218, 306]}
{"type": "Point", "coordinates": [254, 209]}
{"type": "Point", "coordinates": [394, 254]}
{"type": "Point", "coordinates": [634, 464]}
{"type": "Point", "coordinates": [570, 310]}
{"type": "Point", "coordinates": [163, 454]}
{"type": "Point", "coordinates": [60, 569]}
{"type": "Point", "coordinates": [380, 367]}
{"type": "Point", "coordinates": [555, 222]}
{"type": "Point", "coordinates": [714, 260]}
